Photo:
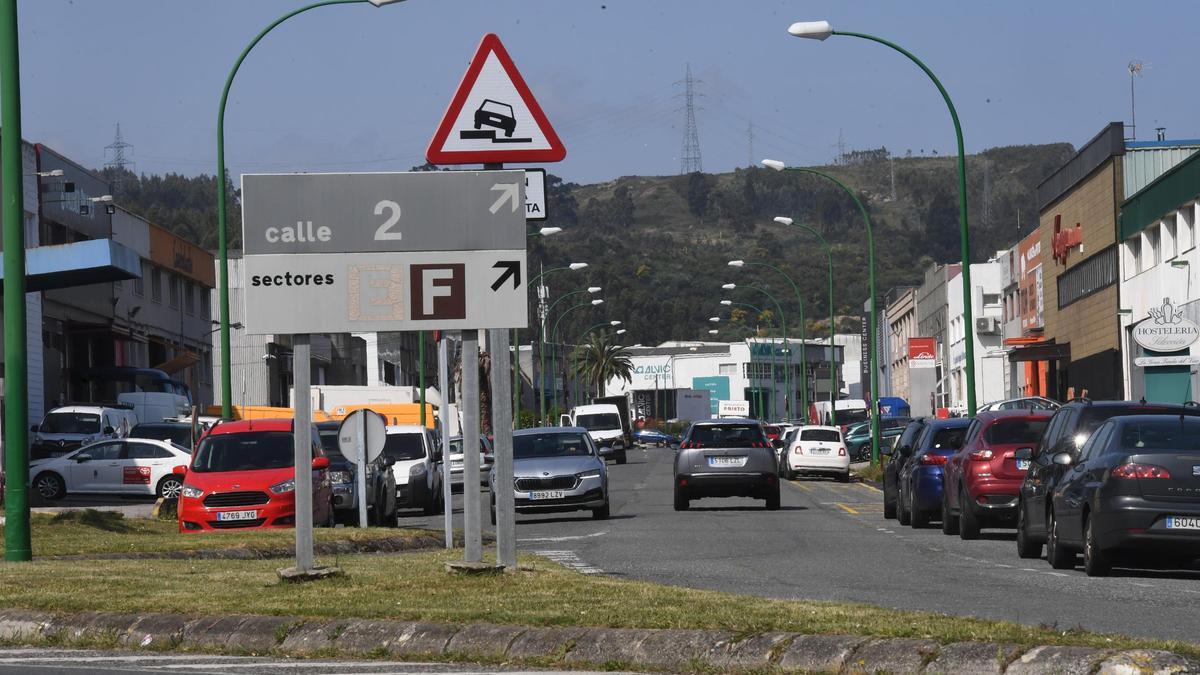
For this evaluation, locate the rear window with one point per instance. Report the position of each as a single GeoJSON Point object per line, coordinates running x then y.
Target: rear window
{"type": "Point", "coordinates": [728, 435]}
{"type": "Point", "coordinates": [947, 439]}
{"type": "Point", "coordinates": [1007, 432]}
{"type": "Point", "coordinates": [329, 442]}
{"type": "Point", "coordinates": [1161, 437]}
{"type": "Point", "coordinates": [827, 435]}
{"type": "Point", "coordinates": [400, 447]}
{"type": "Point", "coordinates": [244, 452]}
{"type": "Point", "coordinates": [852, 416]}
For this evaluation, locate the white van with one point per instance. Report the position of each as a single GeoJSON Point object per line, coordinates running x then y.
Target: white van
{"type": "Point", "coordinates": [152, 407]}
{"type": "Point", "coordinates": [64, 429]}
{"type": "Point", "coordinates": [603, 424]}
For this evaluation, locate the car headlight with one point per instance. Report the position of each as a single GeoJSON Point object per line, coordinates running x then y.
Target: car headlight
{"type": "Point", "coordinates": [340, 477]}
{"type": "Point", "coordinates": [284, 487]}
{"type": "Point", "coordinates": [192, 492]}
{"type": "Point", "coordinates": [416, 470]}
{"type": "Point", "coordinates": [594, 473]}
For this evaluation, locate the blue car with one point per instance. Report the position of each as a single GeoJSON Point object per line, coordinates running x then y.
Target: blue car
{"type": "Point", "coordinates": [920, 477]}
{"type": "Point", "coordinates": [654, 437]}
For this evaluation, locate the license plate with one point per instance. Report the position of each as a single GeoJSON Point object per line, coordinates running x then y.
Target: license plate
{"type": "Point", "coordinates": [727, 461]}
{"type": "Point", "coordinates": [1182, 523]}
{"type": "Point", "coordinates": [1022, 465]}
{"type": "Point", "coordinates": [820, 451]}
{"type": "Point", "coordinates": [237, 515]}
{"type": "Point", "coordinates": [547, 494]}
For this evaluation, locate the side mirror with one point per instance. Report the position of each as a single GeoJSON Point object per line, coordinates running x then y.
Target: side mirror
{"type": "Point", "coordinates": [1023, 453]}
{"type": "Point", "coordinates": [109, 431]}
{"type": "Point", "coordinates": [34, 428]}
{"type": "Point", "coordinates": [83, 458]}
{"type": "Point", "coordinates": [1063, 459]}
{"type": "Point", "coordinates": [179, 470]}
{"type": "Point", "coordinates": [320, 463]}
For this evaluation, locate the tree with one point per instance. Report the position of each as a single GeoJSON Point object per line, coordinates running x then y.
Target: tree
{"type": "Point", "coordinates": [600, 360]}
{"type": "Point", "coordinates": [697, 193]}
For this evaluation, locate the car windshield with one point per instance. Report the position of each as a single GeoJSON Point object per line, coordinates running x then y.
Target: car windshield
{"type": "Point", "coordinates": [1009, 432]}
{"type": "Point", "coordinates": [400, 447]}
{"type": "Point", "coordinates": [246, 451]}
{"type": "Point", "coordinates": [851, 416]}
{"type": "Point", "coordinates": [456, 446]}
{"type": "Point", "coordinates": [599, 421]}
{"type": "Point", "coordinates": [728, 435]}
{"type": "Point", "coordinates": [1161, 436]}
{"type": "Point", "coordinates": [947, 439]}
{"type": "Point", "coordinates": [555, 444]}
{"type": "Point", "coordinates": [827, 435]}
{"type": "Point", "coordinates": [329, 442]}
{"type": "Point", "coordinates": [70, 423]}
{"type": "Point", "coordinates": [179, 435]}
{"type": "Point", "coordinates": [860, 429]}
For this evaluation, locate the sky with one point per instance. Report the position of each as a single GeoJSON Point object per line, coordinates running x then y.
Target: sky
{"type": "Point", "coordinates": [359, 88]}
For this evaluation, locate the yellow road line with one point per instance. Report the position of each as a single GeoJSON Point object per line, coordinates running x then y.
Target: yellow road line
{"type": "Point", "coordinates": [847, 509]}
{"type": "Point", "coordinates": [802, 486]}
{"type": "Point", "coordinates": [869, 488]}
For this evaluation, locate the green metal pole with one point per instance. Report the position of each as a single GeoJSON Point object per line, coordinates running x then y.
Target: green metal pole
{"type": "Point", "coordinates": [803, 338]}
{"type": "Point", "coordinates": [542, 354]}
{"type": "Point", "coordinates": [17, 546]}
{"type": "Point", "coordinates": [783, 324]}
{"type": "Point", "coordinates": [529, 284]}
{"type": "Point", "coordinates": [421, 371]}
{"type": "Point", "coordinates": [580, 341]}
{"type": "Point", "coordinates": [832, 319]}
{"type": "Point", "coordinates": [222, 237]}
{"type": "Point", "coordinates": [554, 336]}
{"type": "Point", "coordinates": [755, 391]}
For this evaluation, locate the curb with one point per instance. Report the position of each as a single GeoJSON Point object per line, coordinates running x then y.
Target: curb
{"type": "Point", "coordinates": [656, 649]}
{"type": "Point", "coordinates": [422, 542]}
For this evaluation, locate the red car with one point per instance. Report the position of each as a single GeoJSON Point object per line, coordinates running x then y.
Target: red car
{"type": "Point", "coordinates": [983, 479]}
{"type": "Point", "coordinates": [242, 476]}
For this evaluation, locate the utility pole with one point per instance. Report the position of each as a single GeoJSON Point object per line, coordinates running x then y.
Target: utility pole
{"type": "Point", "coordinates": [750, 143]}
{"type": "Point", "coordinates": [689, 158]}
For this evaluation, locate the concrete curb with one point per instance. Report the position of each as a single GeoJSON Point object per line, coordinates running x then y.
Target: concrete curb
{"type": "Point", "coordinates": [421, 542]}
{"type": "Point", "coordinates": [657, 649]}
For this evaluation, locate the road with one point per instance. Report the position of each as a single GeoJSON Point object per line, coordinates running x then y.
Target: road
{"type": "Point", "coordinates": [829, 541]}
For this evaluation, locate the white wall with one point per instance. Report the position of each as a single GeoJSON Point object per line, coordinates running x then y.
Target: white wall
{"type": "Point", "coordinates": [990, 361]}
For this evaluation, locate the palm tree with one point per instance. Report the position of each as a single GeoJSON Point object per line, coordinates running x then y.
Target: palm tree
{"type": "Point", "coordinates": [600, 360]}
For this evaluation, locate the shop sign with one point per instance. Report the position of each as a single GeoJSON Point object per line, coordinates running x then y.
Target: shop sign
{"type": "Point", "coordinates": [1150, 361]}
{"type": "Point", "coordinates": [1166, 330]}
{"type": "Point", "coordinates": [1064, 240]}
{"type": "Point", "coordinates": [922, 352]}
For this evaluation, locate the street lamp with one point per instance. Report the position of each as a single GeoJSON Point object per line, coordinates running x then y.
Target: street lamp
{"type": "Point", "coordinates": [787, 379]}
{"type": "Point", "coordinates": [542, 346]}
{"type": "Point", "coordinates": [729, 287]}
{"type": "Point", "coordinates": [545, 232]}
{"type": "Point", "coordinates": [554, 337]}
{"type": "Point", "coordinates": [222, 238]}
{"type": "Point", "coordinates": [713, 331]}
{"type": "Point", "coordinates": [727, 302]}
{"type": "Point", "coordinates": [873, 337]}
{"type": "Point", "coordinates": [784, 220]}
{"type": "Point", "coordinates": [516, 336]}
{"type": "Point", "coordinates": [758, 396]}
{"type": "Point", "coordinates": [714, 319]}
{"type": "Point", "coordinates": [621, 331]}
{"type": "Point", "coordinates": [803, 338]}
{"type": "Point", "coordinates": [820, 30]}
{"type": "Point", "coordinates": [614, 323]}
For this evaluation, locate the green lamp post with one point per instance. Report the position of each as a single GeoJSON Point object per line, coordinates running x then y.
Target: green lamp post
{"type": "Point", "coordinates": [575, 266]}
{"type": "Point", "coordinates": [757, 312]}
{"type": "Point", "coordinates": [803, 338]}
{"type": "Point", "coordinates": [554, 337]}
{"type": "Point", "coordinates": [783, 323]}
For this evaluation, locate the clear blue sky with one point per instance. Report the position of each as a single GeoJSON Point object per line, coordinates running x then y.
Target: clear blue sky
{"type": "Point", "coordinates": [355, 88]}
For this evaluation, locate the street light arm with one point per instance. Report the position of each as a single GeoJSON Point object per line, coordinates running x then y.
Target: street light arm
{"type": "Point", "coordinates": [803, 340]}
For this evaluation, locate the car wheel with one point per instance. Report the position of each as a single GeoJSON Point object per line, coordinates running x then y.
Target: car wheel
{"type": "Point", "coordinates": [968, 527]}
{"type": "Point", "coordinates": [681, 500]}
{"type": "Point", "coordinates": [598, 514]}
{"type": "Point", "coordinates": [50, 486]}
{"type": "Point", "coordinates": [1057, 554]}
{"type": "Point", "coordinates": [1096, 563]}
{"type": "Point", "coordinates": [844, 477]}
{"type": "Point", "coordinates": [889, 505]}
{"type": "Point", "coordinates": [170, 487]}
{"type": "Point", "coordinates": [1026, 548]}
{"type": "Point", "coordinates": [904, 515]}
{"type": "Point", "coordinates": [773, 498]}
{"type": "Point", "coordinates": [917, 518]}
{"type": "Point", "coordinates": [621, 458]}
{"type": "Point", "coordinates": [949, 520]}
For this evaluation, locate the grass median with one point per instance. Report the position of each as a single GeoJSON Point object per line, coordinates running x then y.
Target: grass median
{"type": "Point", "coordinates": [415, 586]}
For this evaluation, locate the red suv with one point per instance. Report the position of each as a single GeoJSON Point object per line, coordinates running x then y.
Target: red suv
{"type": "Point", "coordinates": [983, 479]}
{"type": "Point", "coordinates": [242, 476]}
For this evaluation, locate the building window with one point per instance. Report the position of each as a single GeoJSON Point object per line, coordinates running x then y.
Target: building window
{"type": "Point", "coordinates": [189, 298]}
{"type": "Point", "coordinates": [727, 369]}
{"type": "Point", "coordinates": [1088, 277]}
{"type": "Point", "coordinates": [156, 284]}
{"type": "Point", "coordinates": [173, 287]}
{"type": "Point", "coordinates": [139, 284]}
{"type": "Point", "coordinates": [205, 301]}
{"type": "Point", "coordinates": [1170, 239]}
{"type": "Point", "coordinates": [1133, 256]}
{"type": "Point", "coordinates": [1150, 252]}
{"type": "Point", "coordinates": [1187, 226]}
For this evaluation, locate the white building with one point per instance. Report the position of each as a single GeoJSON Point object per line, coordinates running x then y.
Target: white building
{"type": "Point", "coordinates": [990, 357]}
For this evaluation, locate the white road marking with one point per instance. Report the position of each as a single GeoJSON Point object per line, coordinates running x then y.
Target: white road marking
{"type": "Point", "coordinates": [567, 538]}
{"type": "Point", "coordinates": [570, 559]}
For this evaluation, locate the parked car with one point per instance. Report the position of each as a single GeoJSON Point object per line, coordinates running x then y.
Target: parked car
{"type": "Point", "coordinates": [781, 449]}
{"type": "Point", "coordinates": [654, 437]}
{"type": "Point", "coordinates": [129, 467]}
{"type": "Point", "coordinates": [1023, 403]}
{"type": "Point", "coordinates": [416, 465]}
{"type": "Point", "coordinates": [1069, 429]}
{"type": "Point", "coordinates": [983, 479]}
{"type": "Point", "coordinates": [66, 428]}
{"type": "Point", "coordinates": [179, 433]}
{"type": "Point", "coordinates": [556, 469]}
{"type": "Point", "coordinates": [895, 457]}
{"type": "Point", "coordinates": [818, 450]}
{"type": "Point", "coordinates": [1134, 488]}
{"type": "Point", "coordinates": [343, 477]}
{"type": "Point", "coordinates": [725, 458]}
{"type": "Point", "coordinates": [858, 436]}
{"type": "Point", "coordinates": [921, 474]}
{"type": "Point", "coordinates": [457, 459]}
{"type": "Point", "coordinates": [242, 475]}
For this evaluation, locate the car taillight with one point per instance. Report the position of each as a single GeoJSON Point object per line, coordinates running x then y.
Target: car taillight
{"type": "Point", "coordinates": [981, 455]}
{"type": "Point", "coordinates": [933, 459]}
{"type": "Point", "coordinates": [842, 451]}
{"type": "Point", "coordinates": [798, 450]}
{"type": "Point", "coordinates": [1140, 471]}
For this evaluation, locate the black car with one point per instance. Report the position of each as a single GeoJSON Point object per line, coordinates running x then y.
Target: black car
{"type": "Point", "coordinates": [726, 458]}
{"type": "Point", "coordinates": [1069, 429]}
{"type": "Point", "coordinates": [903, 449]}
{"type": "Point", "coordinates": [1134, 488]}
{"type": "Point", "coordinates": [343, 474]}
{"type": "Point", "coordinates": [179, 433]}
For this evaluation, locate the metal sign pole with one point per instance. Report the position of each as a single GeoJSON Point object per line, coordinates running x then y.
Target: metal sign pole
{"type": "Point", "coordinates": [444, 411]}
{"type": "Point", "coordinates": [302, 445]}
{"type": "Point", "coordinates": [506, 543]}
{"type": "Point", "coordinates": [361, 469]}
{"type": "Point", "coordinates": [470, 378]}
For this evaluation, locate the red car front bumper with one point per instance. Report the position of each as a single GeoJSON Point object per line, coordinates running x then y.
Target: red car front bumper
{"type": "Point", "coordinates": [277, 512]}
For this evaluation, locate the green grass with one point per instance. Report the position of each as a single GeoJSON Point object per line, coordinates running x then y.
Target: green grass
{"type": "Point", "coordinates": [414, 586]}
{"type": "Point", "coordinates": [92, 532]}
{"type": "Point", "coordinates": [871, 473]}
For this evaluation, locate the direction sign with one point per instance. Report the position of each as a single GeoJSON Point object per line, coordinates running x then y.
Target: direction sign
{"type": "Point", "coordinates": [493, 117]}
{"type": "Point", "coordinates": [413, 211]}
{"type": "Point", "coordinates": [535, 194]}
{"type": "Point", "coordinates": [350, 434]}
{"type": "Point", "coordinates": [389, 291]}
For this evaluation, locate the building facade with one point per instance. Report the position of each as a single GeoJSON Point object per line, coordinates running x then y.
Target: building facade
{"type": "Point", "coordinates": [902, 325]}
{"type": "Point", "coordinates": [933, 321]}
{"type": "Point", "coordinates": [987, 334]}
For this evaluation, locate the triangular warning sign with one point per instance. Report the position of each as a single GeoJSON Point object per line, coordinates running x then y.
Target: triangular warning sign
{"type": "Point", "coordinates": [493, 116]}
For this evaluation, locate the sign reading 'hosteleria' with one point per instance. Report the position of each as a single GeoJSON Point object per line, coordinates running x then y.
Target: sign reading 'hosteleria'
{"type": "Point", "coordinates": [1166, 330]}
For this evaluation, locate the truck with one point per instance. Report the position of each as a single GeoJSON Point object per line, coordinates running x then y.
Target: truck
{"type": "Point", "coordinates": [607, 422]}
{"type": "Point", "coordinates": [845, 412]}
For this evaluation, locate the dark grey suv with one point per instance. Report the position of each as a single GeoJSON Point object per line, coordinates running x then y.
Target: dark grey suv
{"type": "Point", "coordinates": [725, 458]}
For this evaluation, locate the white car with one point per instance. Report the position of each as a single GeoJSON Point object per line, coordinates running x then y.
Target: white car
{"type": "Point", "coordinates": [818, 450]}
{"type": "Point", "coordinates": [133, 466]}
{"type": "Point", "coordinates": [416, 464]}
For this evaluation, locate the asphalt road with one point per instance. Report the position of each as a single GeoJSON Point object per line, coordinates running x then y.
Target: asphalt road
{"type": "Point", "coordinates": [829, 541]}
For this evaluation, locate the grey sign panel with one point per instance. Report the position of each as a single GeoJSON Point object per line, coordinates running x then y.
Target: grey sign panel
{"type": "Point", "coordinates": [369, 212]}
{"type": "Point", "coordinates": [367, 292]}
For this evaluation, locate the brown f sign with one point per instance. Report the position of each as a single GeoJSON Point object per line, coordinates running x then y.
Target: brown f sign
{"type": "Point", "coordinates": [438, 291]}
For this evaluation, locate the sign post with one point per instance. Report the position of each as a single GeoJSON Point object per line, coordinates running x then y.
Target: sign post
{"type": "Point", "coordinates": [361, 438]}
{"type": "Point", "coordinates": [447, 498]}
{"type": "Point", "coordinates": [302, 446]}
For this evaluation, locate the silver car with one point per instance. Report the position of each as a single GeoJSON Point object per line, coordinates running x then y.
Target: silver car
{"type": "Point", "coordinates": [556, 469]}
{"type": "Point", "coordinates": [726, 458]}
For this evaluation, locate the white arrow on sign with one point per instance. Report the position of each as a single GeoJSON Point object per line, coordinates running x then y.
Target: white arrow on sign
{"type": "Point", "coordinates": [510, 193]}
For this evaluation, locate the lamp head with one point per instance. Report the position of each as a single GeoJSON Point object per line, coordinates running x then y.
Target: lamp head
{"type": "Point", "coordinates": [727, 302]}
{"type": "Point", "coordinates": [614, 323]}
{"type": "Point", "coordinates": [593, 289]}
{"type": "Point", "coordinates": [815, 30]}
{"type": "Point", "coordinates": [621, 332]}
{"type": "Point", "coordinates": [547, 231]}
{"type": "Point", "coordinates": [598, 301]}
{"type": "Point", "coordinates": [714, 319]}
{"type": "Point", "coordinates": [729, 287]}
{"type": "Point", "coordinates": [774, 164]}
{"type": "Point", "coordinates": [577, 266]}
{"type": "Point", "coordinates": [737, 263]}
{"type": "Point", "coordinates": [381, 3]}
{"type": "Point", "coordinates": [713, 331]}
{"type": "Point", "coordinates": [784, 220]}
